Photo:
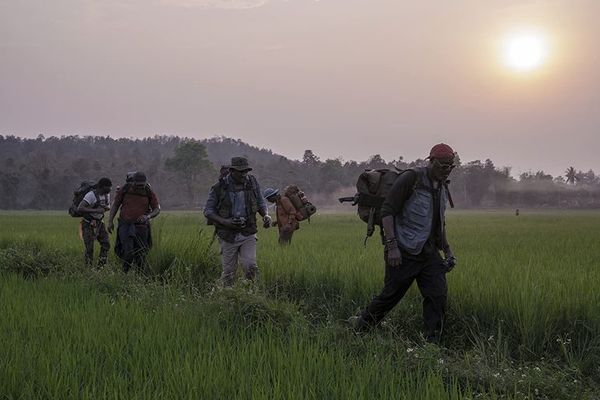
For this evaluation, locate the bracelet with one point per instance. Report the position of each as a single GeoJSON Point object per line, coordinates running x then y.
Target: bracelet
{"type": "Point", "coordinates": [390, 240]}
{"type": "Point", "coordinates": [391, 245]}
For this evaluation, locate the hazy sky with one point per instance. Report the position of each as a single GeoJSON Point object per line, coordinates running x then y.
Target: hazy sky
{"type": "Point", "coordinates": [345, 78]}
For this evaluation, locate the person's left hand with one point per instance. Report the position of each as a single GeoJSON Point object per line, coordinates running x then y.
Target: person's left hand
{"type": "Point", "coordinates": [267, 221]}
{"type": "Point", "coordinates": [143, 219]}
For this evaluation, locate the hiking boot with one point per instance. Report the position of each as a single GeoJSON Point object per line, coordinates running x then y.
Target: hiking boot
{"type": "Point", "coordinates": [358, 324]}
{"type": "Point", "coordinates": [433, 337]}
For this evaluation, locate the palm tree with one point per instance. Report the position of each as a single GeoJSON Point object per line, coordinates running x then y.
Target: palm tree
{"type": "Point", "coordinates": [571, 175]}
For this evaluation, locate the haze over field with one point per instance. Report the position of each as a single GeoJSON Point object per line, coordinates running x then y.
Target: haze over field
{"type": "Point", "coordinates": [517, 82]}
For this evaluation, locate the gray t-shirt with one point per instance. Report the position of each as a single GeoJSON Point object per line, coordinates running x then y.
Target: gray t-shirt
{"type": "Point", "coordinates": [96, 201]}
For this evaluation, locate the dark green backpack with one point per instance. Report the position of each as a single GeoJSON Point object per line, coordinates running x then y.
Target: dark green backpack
{"type": "Point", "coordinates": [78, 195]}
{"type": "Point", "coordinates": [372, 187]}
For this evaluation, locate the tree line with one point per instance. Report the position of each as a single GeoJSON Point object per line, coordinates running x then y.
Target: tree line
{"type": "Point", "coordinates": [42, 173]}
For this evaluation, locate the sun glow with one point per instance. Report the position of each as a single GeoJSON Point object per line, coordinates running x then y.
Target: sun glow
{"type": "Point", "coordinates": [525, 51]}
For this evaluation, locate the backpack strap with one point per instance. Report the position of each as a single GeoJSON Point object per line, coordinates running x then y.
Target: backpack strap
{"type": "Point", "coordinates": [449, 194]}
{"type": "Point", "coordinates": [127, 187]}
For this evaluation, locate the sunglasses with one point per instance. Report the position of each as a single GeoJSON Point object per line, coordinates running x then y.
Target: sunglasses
{"type": "Point", "coordinates": [444, 166]}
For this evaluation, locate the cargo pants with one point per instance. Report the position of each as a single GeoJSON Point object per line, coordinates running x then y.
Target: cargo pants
{"type": "Point", "coordinates": [243, 250]}
{"type": "Point", "coordinates": [90, 232]}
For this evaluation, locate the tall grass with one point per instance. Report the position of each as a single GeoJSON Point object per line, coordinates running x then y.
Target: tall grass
{"type": "Point", "coordinates": [523, 314]}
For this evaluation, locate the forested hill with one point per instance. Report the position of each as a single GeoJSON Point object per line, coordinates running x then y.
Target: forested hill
{"type": "Point", "coordinates": [42, 173]}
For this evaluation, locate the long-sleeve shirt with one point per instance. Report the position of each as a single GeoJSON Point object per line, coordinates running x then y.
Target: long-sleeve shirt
{"type": "Point", "coordinates": [400, 192]}
{"type": "Point", "coordinates": [238, 200]}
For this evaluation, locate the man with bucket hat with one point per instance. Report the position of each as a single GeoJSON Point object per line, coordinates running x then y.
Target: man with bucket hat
{"type": "Point", "coordinates": [287, 215]}
{"type": "Point", "coordinates": [413, 218]}
{"type": "Point", "coordinates": [231, 206]}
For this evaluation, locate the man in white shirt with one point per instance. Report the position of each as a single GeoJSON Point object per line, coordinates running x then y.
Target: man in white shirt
{"type": "Point", "coordinates": [93, 206]}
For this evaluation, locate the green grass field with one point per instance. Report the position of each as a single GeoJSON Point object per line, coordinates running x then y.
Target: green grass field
{"type": "Point", "coordinates": [523, 319]}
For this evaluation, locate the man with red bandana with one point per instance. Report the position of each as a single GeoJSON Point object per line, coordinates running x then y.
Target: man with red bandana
{"type": "Point", "coordinates": [414, 226]}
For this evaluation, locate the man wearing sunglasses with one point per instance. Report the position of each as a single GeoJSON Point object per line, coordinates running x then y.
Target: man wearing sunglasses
{"type": "Point", "coordinates": [413, 219]}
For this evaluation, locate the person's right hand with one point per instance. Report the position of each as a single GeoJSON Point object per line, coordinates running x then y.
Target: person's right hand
{"type": "Point", "coordinates": [110, 227]}
{"type": "Point", "coordinates": [394, 258]}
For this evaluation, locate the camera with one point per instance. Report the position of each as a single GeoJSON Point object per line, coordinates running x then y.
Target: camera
{"type": "Point", "coordinates": [239, 222]}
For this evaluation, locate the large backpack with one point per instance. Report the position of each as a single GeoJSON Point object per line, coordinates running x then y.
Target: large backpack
{"type": "Point", "coordinates": [372, 187]}
{"type": "Point", "coordinates": [126, 190]}
{"type": "Point", "coordinates": [299, 201]}
{"type": "Point", "coordinates": [78, 195]}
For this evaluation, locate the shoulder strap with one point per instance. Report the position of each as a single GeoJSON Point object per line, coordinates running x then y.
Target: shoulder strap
{"type": "Point", "coordinates": [449, 194]}
{"type": "Point", "coordinates": [253, 183]}
{"type": "Point", "coordinates": [127, 187]}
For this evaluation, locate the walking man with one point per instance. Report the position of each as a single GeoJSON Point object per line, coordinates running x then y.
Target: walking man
{"type": "Point", "coordinates": [287, 215]}
{"type": "Point", "coordinates": [413, 218]}
{"type": "Point", "coordinates": [231, 206]}
{"type": "Point", "coordinates": [138, 204]}
{"type": "Point", "coordinates": [93, 206]}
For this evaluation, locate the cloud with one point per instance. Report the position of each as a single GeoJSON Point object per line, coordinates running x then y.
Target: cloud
{"type": "Point", "coordinates": [222, 4]}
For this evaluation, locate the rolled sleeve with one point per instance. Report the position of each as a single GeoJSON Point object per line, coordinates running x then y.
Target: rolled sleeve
{"type": "Point", "coordinates": [211, 203]}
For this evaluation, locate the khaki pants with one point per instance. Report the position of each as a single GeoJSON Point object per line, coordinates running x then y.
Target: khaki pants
{"type": "Point", "coordinates": [92, 231]}
{"type": "Point", "coordinates": [244, 251]}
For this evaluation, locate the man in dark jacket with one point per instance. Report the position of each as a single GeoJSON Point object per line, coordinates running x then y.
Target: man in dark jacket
{"type": "Point", "coordinates": [231, 206]}
{"type": "Point", "coordinates": [413, 219]}
{"type": "Point", "coordinates": [138, 204]}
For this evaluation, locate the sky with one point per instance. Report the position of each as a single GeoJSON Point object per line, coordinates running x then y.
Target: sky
{"type": "Point", "coordinates": [344, 78]}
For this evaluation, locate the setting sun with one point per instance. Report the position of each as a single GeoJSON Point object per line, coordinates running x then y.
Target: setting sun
{"type": "Point", "coordinates": [525, 51]}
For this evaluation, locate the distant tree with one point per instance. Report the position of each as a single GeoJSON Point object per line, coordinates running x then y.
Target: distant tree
{"type": "Point", "coordinates": [400, 163]}
{"type": "Point", "coordinates": [331, 173]}
{"type": "Point", "coordinates": [587, 178]}
{"type": "Point", "coordinates": [571, 175]}
{"type": "Point", "coordinates": [542, 176]}
{"type": "Point", "coordinates": [310, 159]}
{"type": "Point", "coordinates": [190, 163]}
{"type": "Point", "coordinates": [81, 166]}
{"type": "Point", "coordinates": [376, 161]}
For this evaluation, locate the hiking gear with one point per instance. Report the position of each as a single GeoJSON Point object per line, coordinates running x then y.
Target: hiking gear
{"type": "Point", "coordinates": [130, 189]}
{"type": "Point", "coordinates": [240, 164]}
{"type": "Point", "coordinates": [270, 192]}
{"type": "Point", "coordinates": [441, 150]}
{"type": "Point", "coordinates": [223, 189]}
{"type": "Point", "coordinates": [78, 195]}
{"type": "Point", "coordinates": [372, 187]}
{"type": "Point", "coordinates": [414, 225]}
{"type": "Point", "coordinates": [304, 207]}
